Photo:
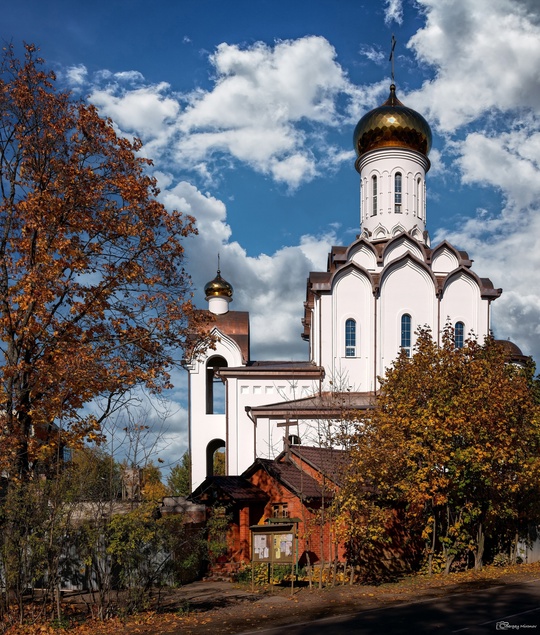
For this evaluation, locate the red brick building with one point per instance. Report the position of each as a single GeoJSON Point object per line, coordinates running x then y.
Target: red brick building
{"type": "Point", "coordinates": [299, 484]}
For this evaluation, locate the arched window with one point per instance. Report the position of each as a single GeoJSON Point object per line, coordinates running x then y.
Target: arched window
{"type": "Point", "coordinates": [374, 196]}
{"type": "Point", "coordinates": [418, 183]}
{"type": "Point", "coordinates": [397, 193]}
{"type": "Point", "coordinates": [294, 439]}
{"type": "Point", "coordinates": [215, 388]}
{"type": "Point", "coordinates": [459, 335]}
{"type": "Point", "coordinates": [406, 333]}
{"type": "Point", "coordinates": [350, 338]}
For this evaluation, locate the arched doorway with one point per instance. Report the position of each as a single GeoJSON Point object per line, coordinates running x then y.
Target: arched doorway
{"type": "Point", "coordinates": [215, 458]}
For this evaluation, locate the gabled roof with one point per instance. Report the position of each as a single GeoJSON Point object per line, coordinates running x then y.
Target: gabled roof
{"type": "Point", "coordinates": [289, 475]}
{"type": "Point", "coordinates": [233, 488]}
{"type": "Point", "coordinates": [329, 462]}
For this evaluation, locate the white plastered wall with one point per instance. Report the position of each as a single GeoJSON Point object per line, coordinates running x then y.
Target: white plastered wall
{"type": "Point", "coordinates": [444, 261]}
{"type": "Point", "coordinates": [352, 297]}
{"type": "Point", "coordinates": [245, 440]}
{"type": "Point", "coordinates": [364, 257]}
{"type": "Point", "coordinates": [406, 287]}
{"type": "Point", "coordinates": [207, 427]}
{"type": "Point", "coordinates": [461, 302]}
{"type": "Point", "coordinates": [400, 247]}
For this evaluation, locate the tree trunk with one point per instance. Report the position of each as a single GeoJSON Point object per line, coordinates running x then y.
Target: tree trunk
{"type": "Point", "coordinates": [479, 553]}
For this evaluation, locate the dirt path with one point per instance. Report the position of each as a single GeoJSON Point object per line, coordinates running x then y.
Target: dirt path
{"type": "Point", "coordinates": [216, 608]}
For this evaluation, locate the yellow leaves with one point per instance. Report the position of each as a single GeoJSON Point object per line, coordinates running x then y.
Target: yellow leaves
{"type": "Point", "coordinates": [452, 436]}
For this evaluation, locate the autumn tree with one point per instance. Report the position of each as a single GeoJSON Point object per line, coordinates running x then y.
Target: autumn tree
{"type": "Point", "coordinates": [94, 297]}
{"type": "Point", "coordinates": [179, 479]}
{"type": "Point", "coordinates": [449, 456]}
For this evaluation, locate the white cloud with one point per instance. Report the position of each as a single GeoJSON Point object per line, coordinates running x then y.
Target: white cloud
{"type": "Point", "coordinates": [509, 162]}
{"type": "Point", "coordinates": [129, 76]}
{"type": "Point", "coordinates": [294, 169]}
{"type": "Point", "coordinates": [485, 97]}
{"type": "Point", "coordinates": [486, 56]}
{"type": "Point", "coordinates": [261, 97]}
{"type": "Point", "coordinates": [373, 54]}
{"type": "Point", "coordinates": [393, 12]}
{"type": "Point", "coordinates": [77, 75]}
{"type": "Point", "coordinates": [270, 108]}
{"type": "Point", "coordinates": [144, 110]}
{"type": "Point", "coordinates": [260, 283]}
{"type": "Point", "coordinates": [209, 211]}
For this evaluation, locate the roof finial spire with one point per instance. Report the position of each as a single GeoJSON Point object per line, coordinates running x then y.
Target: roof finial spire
{"type": "Point", "coordinates": [391, 59]}
{"type": "Point", "coordinates": [218, 267]}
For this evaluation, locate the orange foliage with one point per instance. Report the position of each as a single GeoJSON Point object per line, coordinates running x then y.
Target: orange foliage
{"type": "Point", "coordinates": [94, 296]}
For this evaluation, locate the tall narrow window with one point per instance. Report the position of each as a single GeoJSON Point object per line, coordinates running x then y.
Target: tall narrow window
{"type": "Point", "coordinates": [406, 333]}
{"type": "Point", "coordinates": [350, 338]}
{"type": "Point", "coordinates": [397, 193]}
{"type": "Point", "coordinates": [459, 335]}
{"type": "Point", "coordinates": [418, 197]}
{"type": "Point", "coordinates": [374, 196]}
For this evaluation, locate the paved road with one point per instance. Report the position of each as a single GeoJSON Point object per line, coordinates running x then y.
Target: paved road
{"type": "Point", "coordinates": [510, 608]}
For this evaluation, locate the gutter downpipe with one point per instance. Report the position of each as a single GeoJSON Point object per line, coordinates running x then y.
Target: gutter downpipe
{"type": "Point", "coordinates": [439, 318]}
{"type": "Point", "coordinates": [320, 341]}
{"type": "Point", "coordinates": [189, 433]}
{"type": "Point", "coordinates": [375, 332]}
{"type": "Point", "coordinates": [248, 412]}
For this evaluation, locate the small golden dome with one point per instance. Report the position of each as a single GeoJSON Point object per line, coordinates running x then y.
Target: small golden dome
{"type": "Point", "coordinates": [392, 125]}
{"type": "Point", "coordinates": [218, 287]}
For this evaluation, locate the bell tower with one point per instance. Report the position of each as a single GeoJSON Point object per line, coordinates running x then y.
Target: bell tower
{"type": "Point", "coordinates": [392, 143]}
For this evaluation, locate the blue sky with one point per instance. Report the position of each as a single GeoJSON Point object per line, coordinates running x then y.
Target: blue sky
{"type": "Point", "coordinates": [248, 107]}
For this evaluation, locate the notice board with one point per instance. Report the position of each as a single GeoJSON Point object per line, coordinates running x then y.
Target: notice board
{"type": "Point", "coordinates": [275, 545]}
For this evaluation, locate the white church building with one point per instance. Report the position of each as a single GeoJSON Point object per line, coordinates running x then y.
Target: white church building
{"type": "Point", "coordinates": [358, 314]}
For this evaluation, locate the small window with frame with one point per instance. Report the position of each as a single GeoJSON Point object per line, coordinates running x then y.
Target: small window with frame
{"type": "Point", "coordinates": [280, 510]}
{"type": "Point", "coordinates": [350, 338]}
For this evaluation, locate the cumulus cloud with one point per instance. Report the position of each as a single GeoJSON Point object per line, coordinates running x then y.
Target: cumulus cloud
{"type": "Point", "coordinates": [485, 54]}
{"type": "Point", "coordinates": [498, 242]}
{"type": "Point", "coordinates": [266, 107]}
{"type": "Point", "coordinates": [146, 110]}
{"type": "Point", "coordinates": [261, 283]}
{"type": "Point", "coordinates": [484, 96]}
{"type": "Point", "coordinates": [261, 106]}
{"type": "Point", "coordinates": [509, 162]}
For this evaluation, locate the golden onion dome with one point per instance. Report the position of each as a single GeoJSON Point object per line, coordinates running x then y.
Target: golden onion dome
{"type": "Point", "coordinates": [392, 125]}
{"type": "Point", "coordinates": [218, 287]}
